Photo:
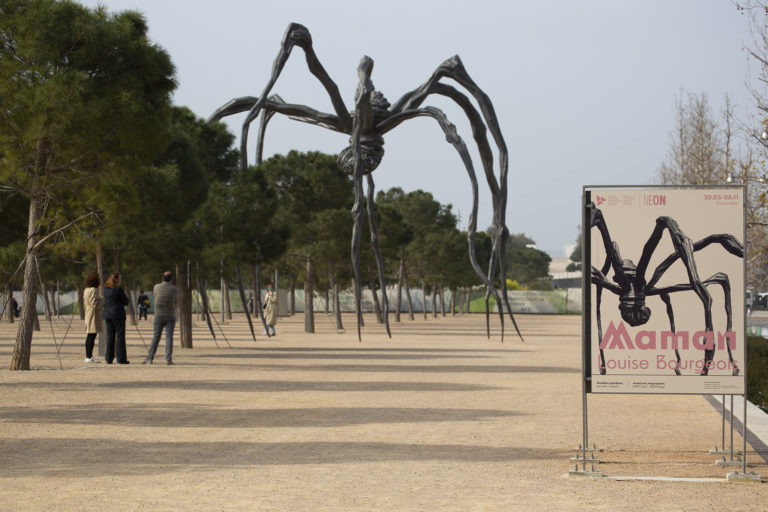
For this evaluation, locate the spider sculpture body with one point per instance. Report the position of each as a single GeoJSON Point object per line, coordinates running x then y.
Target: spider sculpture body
{"type": "Point", "coordinates": [630, 284]}
{"type": "Point", "coordinates": [367, 123]}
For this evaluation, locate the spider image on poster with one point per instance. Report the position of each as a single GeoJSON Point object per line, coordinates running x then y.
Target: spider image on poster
{"type": "Point", "coordinates": [633, 283]}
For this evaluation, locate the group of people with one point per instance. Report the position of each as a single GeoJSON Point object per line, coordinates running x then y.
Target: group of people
{"type": "Point", "coordinates": [107, 313]}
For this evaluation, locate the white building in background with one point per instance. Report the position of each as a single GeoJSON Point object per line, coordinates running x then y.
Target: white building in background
{"type": "Point", "coordinates": [561, 278]}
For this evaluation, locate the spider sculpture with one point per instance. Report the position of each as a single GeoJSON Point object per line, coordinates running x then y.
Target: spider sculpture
{"type": "Point", "coordinates": [630, 284]}
{"type": "Point", "coordinates": [371, 119]}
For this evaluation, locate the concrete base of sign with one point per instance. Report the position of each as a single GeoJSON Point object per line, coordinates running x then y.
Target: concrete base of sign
{"type": "Point", "coordinates": [581, 472]}
{"type": "Point", "coordinates": [716, 451]}
{"type": "Point", "coordinates": [743, 477]}
{"type": "Point", "coordinates": [591, 460]}
{"type": "Point", "coordinates": [593, 449]}
{"type": "Point", "coordinates": [729, 463]}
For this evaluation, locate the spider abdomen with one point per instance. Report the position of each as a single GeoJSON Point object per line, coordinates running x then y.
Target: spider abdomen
{"type": "Point", "coordinates": [633, 309]}
{"type": "Point", "coordinates": [371, 153]}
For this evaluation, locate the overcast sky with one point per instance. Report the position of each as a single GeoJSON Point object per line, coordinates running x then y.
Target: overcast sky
{"type": "Point", "coordinates": [584, 90]}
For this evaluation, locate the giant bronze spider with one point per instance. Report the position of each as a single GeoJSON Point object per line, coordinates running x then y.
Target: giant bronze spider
{"type": "Point", "coordinates": [373, 117]}
{"type": "Point", "coordinates": [629, 283]}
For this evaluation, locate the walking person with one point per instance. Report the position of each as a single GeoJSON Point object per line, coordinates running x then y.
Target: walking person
{"type": "Point", "coordinates": [115, 301]}
{"type": "Point", "coordinates": [270, 309]}
{"type": "Point", "coordinates": [166, 301]}
{"type": "Point", "coordinates": [94, 305]}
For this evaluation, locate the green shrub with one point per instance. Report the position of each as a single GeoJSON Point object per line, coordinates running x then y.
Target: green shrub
{"type": "Point", "coordinates": [757, 370]}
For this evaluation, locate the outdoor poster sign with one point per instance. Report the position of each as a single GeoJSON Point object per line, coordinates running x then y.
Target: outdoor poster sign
{"type": "Point", "coordinates": [664, 297]}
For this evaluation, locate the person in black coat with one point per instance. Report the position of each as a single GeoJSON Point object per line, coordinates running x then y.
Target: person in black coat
{"type": "Point", "coordinates": [115, 301]}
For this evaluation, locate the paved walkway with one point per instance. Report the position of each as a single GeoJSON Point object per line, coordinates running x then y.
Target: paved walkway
{"type": "Point", "coordinates": [757, 423]}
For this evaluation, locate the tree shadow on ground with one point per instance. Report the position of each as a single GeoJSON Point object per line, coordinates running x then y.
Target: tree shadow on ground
{"type": "Point", "coordinates": [77, 458]}
{"type": "Point", "coordinates": [182, 415]}
{"type": "Point", "coordinates": [259, 386]}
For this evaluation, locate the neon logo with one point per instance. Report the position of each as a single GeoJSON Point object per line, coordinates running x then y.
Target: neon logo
{"type": "Point", "coordinates": [654, 200]}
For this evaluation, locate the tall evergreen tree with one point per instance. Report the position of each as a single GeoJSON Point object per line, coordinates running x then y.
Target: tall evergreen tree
{"type": "Point", "coordinates": [84, 101]}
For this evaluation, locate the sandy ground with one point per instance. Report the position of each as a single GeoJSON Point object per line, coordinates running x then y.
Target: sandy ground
{"type": "Point", "coordinates": [436, 418]}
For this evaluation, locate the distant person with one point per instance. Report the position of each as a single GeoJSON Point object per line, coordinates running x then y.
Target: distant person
{"type": "Point", "coordinates": [115, 301]}
{"type": "Point", "coordinates": [270, 309]}
{"type": "Point", "coordinates": [143, 303]}
{"type": "Point", "coordinates": [166, 301]}
{"type": "Point", "coordinates": [94, 306]}
{"type": "Point", "coordinates": [16, 308]}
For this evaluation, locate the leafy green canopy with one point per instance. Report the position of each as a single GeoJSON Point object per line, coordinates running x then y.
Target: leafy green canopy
{"type": "Point", "coordinates": [84, 101]}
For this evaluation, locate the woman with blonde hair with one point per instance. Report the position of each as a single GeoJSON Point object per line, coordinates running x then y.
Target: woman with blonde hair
{"type": "Point", "coordinates": [115, 301]}
{"type": "Point", "coordinates": [94, 305]}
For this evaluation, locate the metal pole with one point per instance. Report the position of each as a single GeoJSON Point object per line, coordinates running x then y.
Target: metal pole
{"type": "Point", "coordinates": [277, 305]}
{"type": "Point", "coordinates": [585, 324]}
{"type": "Point", "coordinates": [584, 425]}
{"type": "Point", "coordinates": [731, 427]}
{"type": "Point", "coordinates": [744, 439]}
{"type": "Point", "coordinates": [722, 444]}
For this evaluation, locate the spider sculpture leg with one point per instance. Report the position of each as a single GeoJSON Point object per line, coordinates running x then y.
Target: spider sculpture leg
{"type": "Point", "coordinates": [601, 282]}
{"type": "Point", "coordinates": [361, 124]}
{"type": "Point", "coordinates": [721, 280]}
{"type": "Point", "coordinates": [599, 293]}
{"type": "Point", "coordinates": [671, 314]}
{"type": "Point", "coordinates": [407, 106]}
{"type": "Point", "coordinates": [377, 252]}
{"type": "Point", "coordinates": [684, 250]}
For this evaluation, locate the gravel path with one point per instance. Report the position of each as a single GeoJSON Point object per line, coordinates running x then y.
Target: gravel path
{"type": "Point", "coordinates": [436, 418]}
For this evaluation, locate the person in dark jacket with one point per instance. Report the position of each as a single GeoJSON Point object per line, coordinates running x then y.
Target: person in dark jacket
{"type": "Point", "coordinates": [115, 301]}
{"type": "Point", "coordinates": [143, 303]}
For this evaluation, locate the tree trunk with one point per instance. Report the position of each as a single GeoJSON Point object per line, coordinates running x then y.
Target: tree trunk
{"type": "Point", "coordinates": [376, 305]}
{"type": "Point", "coordinates": [185, 307]}
{"type": "Point", "coordinates": [424, 296]}
{"type": "Point", "coordinates": [223, 291]}
{"type": "Point", "coordinates": [293, 295]}
{"type": "Point", "coordinates": [46, 304]}
{"type": "Point", "coordinates": [327, 300]}
{"type": "Point", "coordinates": [468, 305]}
{"type": "Point", "coordinates": [131, 308]}
{"type": "Point", "coordinates": [8, 309]}
{"type": "Point", "coordinates": [255, 293]}
{"type": "Point", "coordinates": [227, 302]}
{"type": "Point", "coordinates": [23, 346]}
{"type": "Point", "coordinates": [80, 302]}
{"type": "Point", "coordinates": [442, 300]}
{"type": "Point", "coordinates": [336, 303]}
{"type": "Point", "coordinates": [408, 293]}
{"type": "Point", "coordinates": [361, 317]}
{"type": "Point", "coordinates": [309, 311]}
{"type": "Point", "coordinates": [400, 285]}
{"type": "Point", "coordinates": [52, 302]}
{"type": "Point", "coordinates": [259, 308]}
{"type": "Point", "coordinates": [244, 301]}
{"type": "Point", "coordinates": [57, 302]}
{"type": "Point", "coordinates": [258, 288]}
{"type": "Point", "coordinates": [434, 301]}
{"type": "Point", "coordinates": [102, 348]}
